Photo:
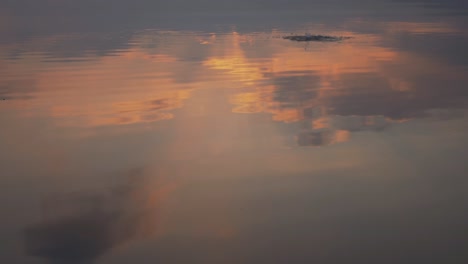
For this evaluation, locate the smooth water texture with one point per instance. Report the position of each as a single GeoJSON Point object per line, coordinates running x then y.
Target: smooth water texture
{"type": "Point", "coordinates": [192, 132]}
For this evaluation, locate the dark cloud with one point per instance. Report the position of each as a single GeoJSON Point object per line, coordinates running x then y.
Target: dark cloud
{"type": "Point", "coordinates": [372, 95]}
{"type": "Point", "coordinates": [79, 227]}
{"type": "Point", "coordinates": [292, 91]}
{"type": "Point", "coordinates": [314, 138]}
{"type": "Point", "coordinates": [444, 47]}
{"type": "Point", "coordinates": [72, 240]}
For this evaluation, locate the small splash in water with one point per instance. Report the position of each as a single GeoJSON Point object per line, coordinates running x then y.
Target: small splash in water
{"type": "Point", "coordinates": [310, 37]}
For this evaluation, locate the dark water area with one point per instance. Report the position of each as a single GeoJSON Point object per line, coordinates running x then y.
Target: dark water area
{"type": "Point", "coordinates": [194, 132]}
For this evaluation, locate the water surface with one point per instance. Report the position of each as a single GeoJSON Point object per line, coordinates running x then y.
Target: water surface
{"type": "Point", "coordinates": [192, 132]}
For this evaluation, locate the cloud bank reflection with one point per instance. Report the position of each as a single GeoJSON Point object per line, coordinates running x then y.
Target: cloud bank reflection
{"type": "Point", "coordinates": [332, 89]}
{"type": "Point", "coordinates": [81, 227]}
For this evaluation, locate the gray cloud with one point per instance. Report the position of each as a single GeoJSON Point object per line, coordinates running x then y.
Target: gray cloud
{"type": "Point", "coordinates": [314, 138]}
{"type": "Point", "coordinates": [291, 91]}
{"type": "Point", "coordinates": [81, 227]}
{"type": "Point", "coordinates": [369, 95]}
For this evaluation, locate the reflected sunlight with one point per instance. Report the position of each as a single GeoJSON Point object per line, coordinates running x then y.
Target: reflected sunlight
{"type": "Point", "coordinates": [315, 84]}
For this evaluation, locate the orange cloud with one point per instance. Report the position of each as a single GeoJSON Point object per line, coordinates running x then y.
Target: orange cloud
{"type": "Point", "coordinates": [129, 88]}
{"type": "Point", "coordinates": [140, 84]}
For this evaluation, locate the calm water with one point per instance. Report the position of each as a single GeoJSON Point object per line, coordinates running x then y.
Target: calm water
{"type": "Point", "coordinates": [191, 132]}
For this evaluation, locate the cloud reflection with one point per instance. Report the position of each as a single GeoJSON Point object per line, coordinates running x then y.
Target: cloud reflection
{"type": "Point", "coordinates": [343, 88]}
{"type": "Point", "coordinates": [79, 227]}
{"type": "Point", "coordinates": [360, 84]}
